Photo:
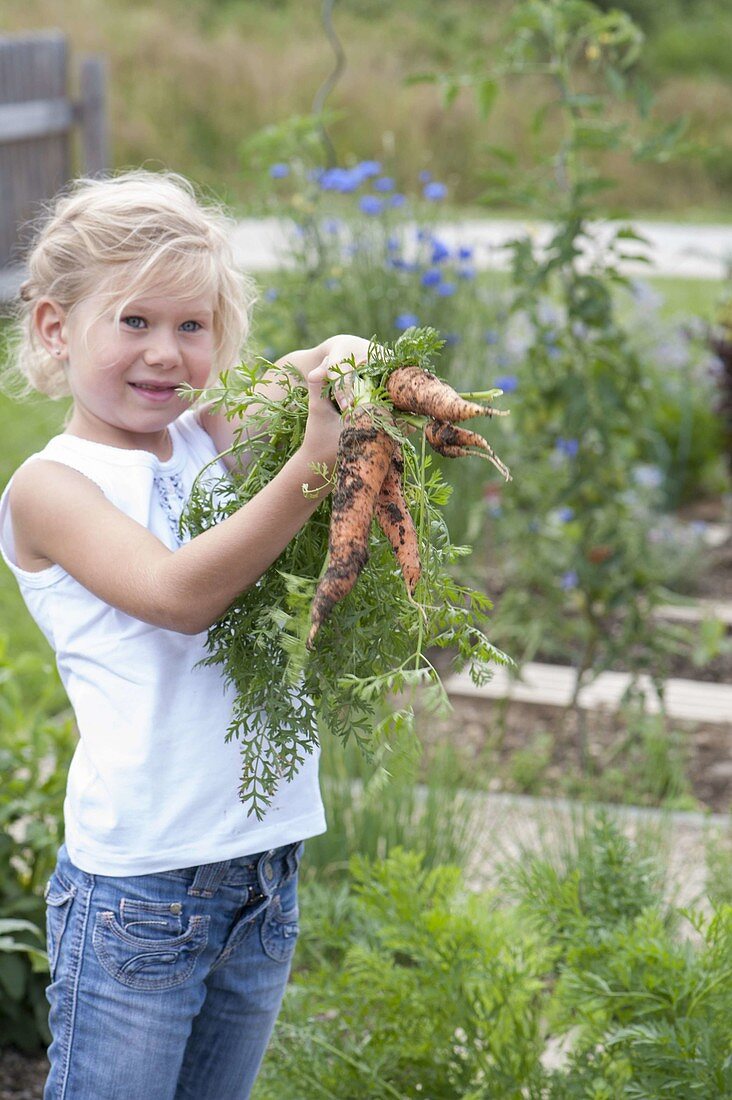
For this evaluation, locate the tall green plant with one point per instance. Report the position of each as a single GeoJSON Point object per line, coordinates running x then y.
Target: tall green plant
{"type": "Point", "coordinates": [585, 418]}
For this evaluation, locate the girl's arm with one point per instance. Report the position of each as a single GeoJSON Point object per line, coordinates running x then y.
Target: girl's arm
{"type": "Point", "coordinates": [329, 353]}
{"type": "Point", "coordinates": [61, 516]}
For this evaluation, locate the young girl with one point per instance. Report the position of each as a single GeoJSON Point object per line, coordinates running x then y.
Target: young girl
{"type": "Point", "coordinates": [171, 914]}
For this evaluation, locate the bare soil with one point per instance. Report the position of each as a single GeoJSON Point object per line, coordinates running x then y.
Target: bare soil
{"type": "Point", "coordinates": [22, 1076]}
{"type": "Point", "coordinates": [527, 749]}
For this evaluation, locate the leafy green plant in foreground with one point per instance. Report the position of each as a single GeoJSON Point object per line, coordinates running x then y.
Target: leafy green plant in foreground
{"type": "Point", "coordinates": [576, 980]}
{"type": "Point", "coordinates": [435, 993]}
{"type": "Point", "coordinates": [373, 649]}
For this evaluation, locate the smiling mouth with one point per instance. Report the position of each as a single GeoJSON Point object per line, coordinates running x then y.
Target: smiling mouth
{"type": "Point", "coordinates": [151, 386]}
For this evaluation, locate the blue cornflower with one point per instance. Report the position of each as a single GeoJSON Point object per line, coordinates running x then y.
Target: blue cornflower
{"type": "Point", "coordinates": [340, 179]}
{"type": "Point", "coordinates": [271, 295]}
{"type": "Point", "coordinates": [393, 244]}
{"type": "Point", "coordinates": [384, 184]}
{"type": "Point", "coordinates": [566, 514]}
{"type": "Point", "coordinates": [331, 225]}
{"type": "Point", "coordinates": [507, 383]}
{"type": "Point", "coordinates": [431, 277]}
{"type": "Point", "coordinates": [435, 191]}
{"type": "Point", "coordinates": [397, 200]}
{"type": "Point", "coordinates": [425, 176]}
{"type": "Point", "coordinates": [465, 253]}
{"type": "Point", "coordinates": [279, 171]}
{"type": "Point", "coordinates": [445, 290]}
{"type": "Point", "coordinates": [440, 251]}
{"type": "Point", "coordinates": [491, 336]}
{"type": "Point", "coordinates": [368, 168]}
{"type": "Point", "coordinates": [370, 204]}
{"type": "Point", "coordinates": [406, 320]}
{"type": "Point", "coordinates": [568, 447]}
{"type": "Point", "coordinates": [569, 579]}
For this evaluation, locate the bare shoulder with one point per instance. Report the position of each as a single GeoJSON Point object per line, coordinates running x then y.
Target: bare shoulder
{"type": "Point", "coordinates": [40, 493]}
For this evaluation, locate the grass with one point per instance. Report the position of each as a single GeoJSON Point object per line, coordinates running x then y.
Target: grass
{"type": "Point", "coordinates": [24, 428]}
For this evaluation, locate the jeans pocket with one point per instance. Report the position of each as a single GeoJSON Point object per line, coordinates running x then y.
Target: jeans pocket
{"type": "Point", "coordinates": [151, 961]}
{"type": "Point", "coordinates": [59, 895]}
{"type": "Point", "coordinates": [280, 929]}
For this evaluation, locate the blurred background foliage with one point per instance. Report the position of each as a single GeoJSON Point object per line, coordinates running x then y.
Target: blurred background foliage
{"type": "Point", "coordinates": [189, 81]}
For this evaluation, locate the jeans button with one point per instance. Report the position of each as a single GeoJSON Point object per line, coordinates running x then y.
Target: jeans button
{"type": "Point", "coordinates": [176, 907]}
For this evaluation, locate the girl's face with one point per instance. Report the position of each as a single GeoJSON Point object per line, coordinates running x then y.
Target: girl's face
{"type": "Point", "coordinates": [123, 376]}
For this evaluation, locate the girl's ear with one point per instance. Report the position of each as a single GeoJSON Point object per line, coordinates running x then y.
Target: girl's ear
{"type": "Point", "coordinates": [49, 320]}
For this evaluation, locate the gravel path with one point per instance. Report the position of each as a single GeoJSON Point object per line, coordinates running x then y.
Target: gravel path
{"type": "Point", "coordinates": [693, 251]}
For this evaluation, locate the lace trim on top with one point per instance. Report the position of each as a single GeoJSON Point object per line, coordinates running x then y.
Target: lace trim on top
{"type": "Point", "coordinates": [172, 496]}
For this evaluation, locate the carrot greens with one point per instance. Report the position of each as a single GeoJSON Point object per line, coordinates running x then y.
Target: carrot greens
{"type": "Point", "coordinates": [372, 653]}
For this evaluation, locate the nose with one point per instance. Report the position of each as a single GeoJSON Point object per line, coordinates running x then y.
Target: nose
{"type": "Point", "coordinates": [162, 349]}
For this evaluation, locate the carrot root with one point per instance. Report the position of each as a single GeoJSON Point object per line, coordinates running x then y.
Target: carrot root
{"type": "Point", "coordinates": [413, 389]}
{"type": "Point", "coordinates": [396, 522]}
{"type": "Point", "coordinates": [453, 442]}
{"type": "Point", "coordinates": [364, 455]}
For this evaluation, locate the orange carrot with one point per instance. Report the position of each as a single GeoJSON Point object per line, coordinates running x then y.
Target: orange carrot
{"type": "Point", "coordinates": [413, 389]}
{"type": "Point", "coordinates": [364, 455]}
{"type": "Point", "coordinates": [453, 442]}
{"type": "Point", "coordinates": [396, 522]}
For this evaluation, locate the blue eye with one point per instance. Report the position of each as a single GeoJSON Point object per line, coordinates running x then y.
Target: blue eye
{"type": "Point", "coordinates": [191, 326]}
{"type": "Point", "coordinates": [134, 321]}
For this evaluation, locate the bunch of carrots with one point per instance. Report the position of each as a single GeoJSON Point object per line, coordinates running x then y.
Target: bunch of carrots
{"type": "Point", "coordinates": [293, 682]}
{"type": "Point", "coordinates": [369, 478]}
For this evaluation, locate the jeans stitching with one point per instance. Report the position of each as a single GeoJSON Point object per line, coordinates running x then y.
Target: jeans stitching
{"type": "Point", "coordinates": [77, 956]}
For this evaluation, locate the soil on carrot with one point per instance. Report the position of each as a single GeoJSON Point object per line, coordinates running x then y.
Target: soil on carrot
{"type": "Point", "coordinates": [527, 749]}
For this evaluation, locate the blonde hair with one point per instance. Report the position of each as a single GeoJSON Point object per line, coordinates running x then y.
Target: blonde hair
{"type": "Point", "coordinates": [122, 237]}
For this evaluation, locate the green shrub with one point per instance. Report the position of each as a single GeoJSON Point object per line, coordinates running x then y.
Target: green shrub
{"type": "Point", "coordinates": [439, 996]}
{"type": "Point", "coordinates": [576, 979]}
{"type": "Point", "coordinates": [653, 1012]}
{"type": "Point", "coordinates": [35, 753]}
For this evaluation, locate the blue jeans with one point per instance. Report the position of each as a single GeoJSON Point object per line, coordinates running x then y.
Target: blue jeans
{"type": "Point", "coordinates": [167, 986]}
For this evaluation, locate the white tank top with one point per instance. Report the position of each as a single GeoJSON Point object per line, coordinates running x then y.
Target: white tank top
{"type": "Point", "coordinates": [153, 784]}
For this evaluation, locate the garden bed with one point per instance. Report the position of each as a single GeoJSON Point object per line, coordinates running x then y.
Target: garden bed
{"type": "Point", "coordinates": [533, 749]}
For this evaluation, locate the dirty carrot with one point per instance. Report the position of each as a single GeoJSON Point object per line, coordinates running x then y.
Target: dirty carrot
{"type": "Point", "coordinates": [453, 442]}
{"type": "Point", "coordinates": [364, 455]}
{"type": "Point", "coordinates": [396, 522]}
{"type": "Point", "coordinates": [413, 389]}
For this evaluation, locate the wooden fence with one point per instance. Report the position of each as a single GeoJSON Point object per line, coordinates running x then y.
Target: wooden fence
{"type": "Point", "coordinates": [45, 135]}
